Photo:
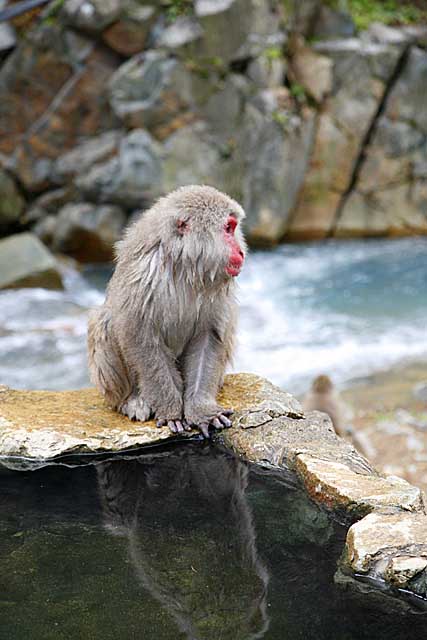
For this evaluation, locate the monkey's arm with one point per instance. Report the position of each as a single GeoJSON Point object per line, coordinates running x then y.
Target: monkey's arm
{"type": "Point", "coordinates": [203, 367]}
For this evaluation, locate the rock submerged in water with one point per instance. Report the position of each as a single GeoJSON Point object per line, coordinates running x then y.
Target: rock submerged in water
{"type": "Point", "coordinates": [25, 262]}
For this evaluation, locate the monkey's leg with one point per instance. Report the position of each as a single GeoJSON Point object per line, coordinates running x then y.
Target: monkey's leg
{"type": "Point", "coordinates": [107, 369]}
{"type": "Point", "coordinates": [204, 363]}
{"type": "Point", "coordinates": [158, 379]}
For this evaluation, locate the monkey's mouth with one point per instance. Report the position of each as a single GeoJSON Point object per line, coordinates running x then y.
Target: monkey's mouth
{"type": "Point", "coordinates": [233, 269]}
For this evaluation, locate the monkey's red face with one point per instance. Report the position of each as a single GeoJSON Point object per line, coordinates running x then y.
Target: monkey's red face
{"type": "Point", "coordinates": [237, 257]}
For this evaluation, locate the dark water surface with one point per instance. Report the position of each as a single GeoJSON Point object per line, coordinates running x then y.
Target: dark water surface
{"type": "Point", "coordinates": [176, 544]}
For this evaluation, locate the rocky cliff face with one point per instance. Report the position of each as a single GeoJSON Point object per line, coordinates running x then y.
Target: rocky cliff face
{"type": "Point", "coordinates": [104, 106]}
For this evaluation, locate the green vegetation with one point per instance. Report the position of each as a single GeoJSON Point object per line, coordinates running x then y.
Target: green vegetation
{"type": "Point", "coordinates": [177, 8]}
{"type": "Point", "coordinates": [364, 12]}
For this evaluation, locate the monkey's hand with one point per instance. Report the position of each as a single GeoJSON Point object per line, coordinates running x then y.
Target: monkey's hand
{"type": "Point", "coordinates": [204, 416]}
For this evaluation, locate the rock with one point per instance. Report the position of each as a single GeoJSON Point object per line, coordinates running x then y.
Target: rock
{"type": "Point", "coordinates": [267, 72]}
{"type": "Point", "coordinates": [44, 229]}
{"type": "Point", "coordinates": [313, 72]}
{"type": "Point", "coordinates": [300, 17]}
{"type": "Point", "coordinates": [274, 148]}
{"type": "Point", "coordinates": [407, 99]}
{"type": "Point", "coordinates": [88, 232]}
{"type": "Point", "coordinates": [11, 202]}
{"type": "Point", "coordinates": [391, 547]}
{"type": "Point", "coordinates": [63, 76]}
{"type": "Point", "coordinates": [183, 31]}
{"type": "Point", "coordinates": [390, 195]}
{"type": "Point", "coordinates": [191, 156]}
{"type": "Point", "coordinates": [90, 15]}
{"type": "Point", "coordinates": [7, 38]}
{"type": "Point", "coordinates": [149, 90]}
{"type": "Point", "coordinates": [393, 211]}
{"type": "Point", "coordinates": [360, 76]}
{"type": "Point", "coordinates": [88, 153]}
{"type": "Point", "coordinates": [335, 484]}
{"type": "Point", "coordinates": [48, 203]}
{"type": "Point", "coordinates": [25, 262]}
{"type": "Point", "coordinates": [235, 29]}
{"type": "Point", "coordinates": [384, 34]}
{"type": "Point", "coordinates": [330, 24]}
{"type": "Point", "coordinates": [131, 178]}
{"type": "Point", "coordinates": [130, 34]}
{"type": "Point", "coordinates": [223, 108]}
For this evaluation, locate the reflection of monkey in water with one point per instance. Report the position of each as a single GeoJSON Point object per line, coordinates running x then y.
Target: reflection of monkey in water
{"type": "Point", "coordinates": [159, 345]}
{"type": "Point", "coordinates": [324, 397]}
{"type": "Point", "coordinates": [196, 555]}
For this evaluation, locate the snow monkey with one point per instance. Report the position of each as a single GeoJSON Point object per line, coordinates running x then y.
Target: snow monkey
{"type": "Point", "coordinates": [160, 343]}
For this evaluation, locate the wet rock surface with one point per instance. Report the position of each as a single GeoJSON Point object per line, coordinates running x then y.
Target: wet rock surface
{"type": "Point", "coordinates": [270, 431]}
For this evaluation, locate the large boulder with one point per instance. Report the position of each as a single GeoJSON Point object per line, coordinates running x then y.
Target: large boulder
{"type": "Point", "coordinates": [273, 150]}
{"type": "Point", "coordinates": [90, 15]}
{"type": "Point", "coordinates": [151, 90]}
{"type": "Point", "coordinates": [129, 179]}
{"type": "Point", "coordinates": [25, 262]}
{"type": "Point", "coordinates": [235, 29]}
{"type": "Point", "coordinates": [361, 74]}
{"type": "Point", "coordinates": [88, 232]}
{"type": "Point", "coordinates": [390, 193]}
{"type": "Point", "coordinates": [130, 33]}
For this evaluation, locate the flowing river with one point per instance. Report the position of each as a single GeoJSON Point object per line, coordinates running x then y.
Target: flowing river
{"type": "Point", "coordinates": [343, 308]}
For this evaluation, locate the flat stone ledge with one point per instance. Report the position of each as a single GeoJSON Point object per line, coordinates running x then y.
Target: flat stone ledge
{"type": "Point", "coordinates": [336, 485]}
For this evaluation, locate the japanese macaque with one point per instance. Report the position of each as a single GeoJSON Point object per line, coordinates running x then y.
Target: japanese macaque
{"type": "Point", "coordinates": [159, 345]}
{"type": "Point", "coordinates": [323, 397]}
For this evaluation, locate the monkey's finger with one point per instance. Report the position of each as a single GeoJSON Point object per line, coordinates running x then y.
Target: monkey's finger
{"type": "Point", "coordinates": [227, 412]}
{"type": "Point", "coordinates": [172, 426]}
{"type": "Point", "coordinates": [216, 423]}
{"type": "Point", "coordinates": [186, 425]}
{"type": "Point", "coordinates": [225, 421]}
{"type": "Point", "coordinates": [179, 427]}
{"type": "Point", "coordinates": [204, 430]}
{"type": "Point", "coordinates": [161, 422]}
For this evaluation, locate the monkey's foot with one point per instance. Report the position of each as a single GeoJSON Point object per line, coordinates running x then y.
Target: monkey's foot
{"type": "Point", "coordinates": [136, 409]}
{"type": "Point", "coordinates": [176, 426]}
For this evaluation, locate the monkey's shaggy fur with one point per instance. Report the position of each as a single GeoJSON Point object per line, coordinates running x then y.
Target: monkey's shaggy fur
{"type": "Point", "coordinates": [159, 345]}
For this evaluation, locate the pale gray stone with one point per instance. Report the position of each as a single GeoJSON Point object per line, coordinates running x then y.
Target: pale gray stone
{"type": "Point", "coordinates": [93, 15]}
{"type": "Point", "coordinates": [88, 232]}
{"type": "Point", "coordinates": [25, 262]}
{"type": "Point", "coordinates": [129, 179]}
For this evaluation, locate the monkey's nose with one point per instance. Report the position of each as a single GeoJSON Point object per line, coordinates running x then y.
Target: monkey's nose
{"type": "Point", "coordinates": [241, 254]}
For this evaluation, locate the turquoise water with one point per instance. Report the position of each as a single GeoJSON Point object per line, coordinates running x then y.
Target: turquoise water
{"type": "Point", "coordinates": [182, 544]}
{"type": "Point", "coordinates": [344, 308]}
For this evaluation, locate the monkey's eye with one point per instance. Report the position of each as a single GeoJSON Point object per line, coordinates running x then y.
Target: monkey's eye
{"type": "Point", "coordinates": [230, 225]}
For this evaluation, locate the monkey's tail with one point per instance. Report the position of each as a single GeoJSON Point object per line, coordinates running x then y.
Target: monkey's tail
{"type": "Point", "coordinates": [107, 370]}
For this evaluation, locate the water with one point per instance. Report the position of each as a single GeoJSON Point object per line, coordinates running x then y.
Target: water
{"type": "Point", "coordinates": [344, 308]}
{"type": "Point", "coordinates": [186, 543]}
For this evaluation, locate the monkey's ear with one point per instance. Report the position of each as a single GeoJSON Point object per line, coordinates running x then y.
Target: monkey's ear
{"type": "Point", "coordinates": [182, 226]}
